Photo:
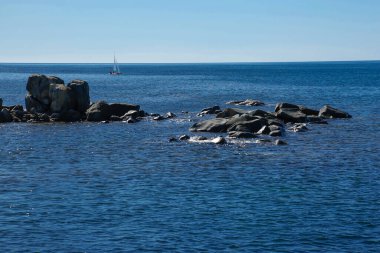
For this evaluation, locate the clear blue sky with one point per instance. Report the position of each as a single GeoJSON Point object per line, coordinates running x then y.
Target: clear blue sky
{"type": "Point", "coordinates": [189, 30]}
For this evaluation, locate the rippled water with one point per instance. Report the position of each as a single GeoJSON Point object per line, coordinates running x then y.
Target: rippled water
{"type": "Point", "coordinates": [88, 187]}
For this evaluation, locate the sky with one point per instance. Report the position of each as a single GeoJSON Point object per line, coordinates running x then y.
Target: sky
{"type": "Point", "coordinates": [170, 31]}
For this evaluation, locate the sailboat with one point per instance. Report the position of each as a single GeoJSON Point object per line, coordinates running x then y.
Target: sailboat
{"type": "Point", "coordinates": [115, 70]}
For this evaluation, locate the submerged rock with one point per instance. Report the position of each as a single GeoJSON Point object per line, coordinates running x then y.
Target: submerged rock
{"type": "Point", "coordinates": [247, 102]}
{"type": "Point", "coordinates": [210, 110]}
{"type": "Point", "coordinates": [184, 137]}
{"type": "Point", "coordinates": [219, 140]}
{"type": "Point", "coordinates": [280, 142]}
{"type": "Point", "coordinates": [238, 134]}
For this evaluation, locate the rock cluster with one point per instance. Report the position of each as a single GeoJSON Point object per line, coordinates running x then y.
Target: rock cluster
{"type": "Point", "coordinates": [49, 99]}
{"type": "Point", "coordinates": [240, 123]}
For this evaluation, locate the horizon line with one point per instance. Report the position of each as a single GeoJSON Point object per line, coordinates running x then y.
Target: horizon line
{"type": "Point", "coordinates": [221, 62]}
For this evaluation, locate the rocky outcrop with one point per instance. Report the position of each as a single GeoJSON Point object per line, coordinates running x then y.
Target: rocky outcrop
{"type": "Point", "coordinates": [247, 102]}
{"type": "Point", "coordinates": [49, 95]}
{"type": "Point", "coordinates": [330, 112]}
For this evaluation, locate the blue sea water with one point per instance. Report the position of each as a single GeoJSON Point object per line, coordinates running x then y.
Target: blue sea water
{"type": "Point", "coordinates": [88, 187]}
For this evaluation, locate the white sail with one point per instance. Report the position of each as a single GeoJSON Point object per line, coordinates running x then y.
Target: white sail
{"type": "Point", "coordinates": [115, 68]}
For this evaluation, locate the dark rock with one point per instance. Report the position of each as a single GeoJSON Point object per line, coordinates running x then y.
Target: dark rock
{"type": "Point", "coordinates": [119, 109]}
{"type": "Point", "coordinates": [55, 116]}
{"type": "Point", "coordinates": [330, 112]}
{"type": "Point", "coordinates": [299, 128]}
{"type": "Point", "coordinates": [263, 141]}
{"type": "Point", "coordinates": [252, 125]}
{"type": "Point", "coordinates": [33, 105]}
{"type": "Point", "coordinates": [280, 106]}
{"type": "Point", "coordinates": [130, 120]}
{"type": "Point", "coordinates": [264, 130]}
{"type": "Point", "coordinates": [212, 125]}
{"type": "Point", "coordinates": [170, 115]}
{"type": "Point", "coordinates": [238, 134]}
{"type": "Point", "coordinates": [5, 116]}
{"type": "Point", "coordinates": [308, 111]}
{"type": "Point", "coordinates": [199, 138]}
{"type": "Point", "coordinates": [210, 110]}
{"type": "Point", "coordinates": [247, 102]}
{"type": "Point", "coordinates": [291, 115]}
{"type": "Point", "coordinates": [315, 120]}
{"type": "Point", "coordinates": [172, 139]}
{"type": "Point", "coordinates": [115, 118]}
{"type": "Point", "coordinates": [219, 140]}
{"type": "Point", "coordinates": [275, 128]}
{"type": "Point", "coordinates": [1, 103]}
{"type": "Point", "coordinates": [158, 118]}
{"type": "Point", "coordinates": [38, 87]}
{"type": "Point", "coordinates": [70, 116]}
{"type": "Point", "coordinates": [80, 95]}
{"type": "Point", "coordinates": [238, 119]}
{"type": "Point", "coordinates": [229, 112]}
{"type": "Point", "coordinates": [16, 108]}
{"type": "Point", "coordinates": [261, 113]}
{"type": "Point", "coordinates": [98, 111]}
{"type": "Point", "coordinates": [275, 133]}
{"type": "Point", "coordinates": [184, 137]}
{"type": "Point", "coordinates": [275, 122]}
{"type": "Point", "coordinates": [132, 113]}
{"type": "Point", "coordinates": [280, 142]}
{"type": "Point", "coordinates": [43, 117]}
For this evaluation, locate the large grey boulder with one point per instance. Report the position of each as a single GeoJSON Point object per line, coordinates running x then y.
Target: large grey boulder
{"type": "Point", "coordinates": [252, 126]}
{"type": "Point", "coordinates": [80, 95]}
{"type": "Point", "coordinates": [212, 125]}
{"type": "Point", "coordinates": [291, 115]}
{"type": "Point", "coordinates": [98, 111]}
{"type": "Point", "coordinates": [120, 109]}
{"type": "Point", "coordinates": [60, 96]}
{"type": "Point", "coordinates": [229, 112]}
{"type": "Point", "coordinates": [330, 112]}
{"type": "Point", "coordinates": [210, 110]}
{"type": "Point", "coordinates": [38, 87]}
{"type": "Point", "coordinates": [238, 134]}
{"type": "Point", "coordinates": [293, 107]}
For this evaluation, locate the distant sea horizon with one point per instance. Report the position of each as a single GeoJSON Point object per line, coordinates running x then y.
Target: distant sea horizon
{"type": "Point", "coordinates": [219, 62]}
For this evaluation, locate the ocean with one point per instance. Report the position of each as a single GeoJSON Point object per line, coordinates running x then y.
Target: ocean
{"type": "Point", "coordinates": [91, 187]}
